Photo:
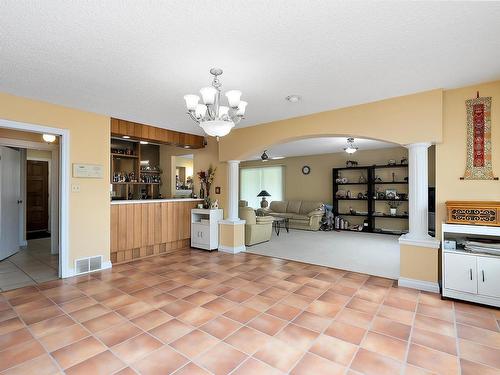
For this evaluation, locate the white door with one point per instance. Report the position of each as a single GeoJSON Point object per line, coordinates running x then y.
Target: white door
{"type": "Point", "coordinates": [10, 187]}
{"type": "Point", "coordinates": [488, 274]}
{"type": "Point", "coordinates": [460, 272]}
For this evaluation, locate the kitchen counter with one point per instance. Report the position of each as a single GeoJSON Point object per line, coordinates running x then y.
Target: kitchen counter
{"type": "Point", "coordinates": [141, 201]}
{"type": "Point", "coordinates": [143, 228]}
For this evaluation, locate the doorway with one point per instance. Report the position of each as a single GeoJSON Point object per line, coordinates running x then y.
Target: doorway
{"type": "Point", "coordinates": [29, 204]}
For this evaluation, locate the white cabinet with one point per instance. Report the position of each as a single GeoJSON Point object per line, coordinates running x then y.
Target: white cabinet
{"type": "Point", "coordinates": [205, 228]}
{"type": "Point", "coordinates": [466, 275]}
{"type": "Point", "coordinates": [460, 272]}
{"type": "Point", "coordinates": [488, 277]}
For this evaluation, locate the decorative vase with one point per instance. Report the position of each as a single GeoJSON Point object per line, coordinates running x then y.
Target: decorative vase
{"type": "Point", "coordinates": [202, 192]}
{"type": "Point", "coordinates": [393, 211]}
{"type": "Point", "coordinates": [207, 189]}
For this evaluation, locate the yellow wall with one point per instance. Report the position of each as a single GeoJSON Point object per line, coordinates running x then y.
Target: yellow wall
{"type": "Point", "coordinates": [451, 153]}
{"type": "Point", "coordinates": [89, 210]}
{"type": "Point", "coordinates": [419, 263]}
{"type": "Point", "coordinates": [401, 120]}
{"type": "Point", "coordinates": [38, 154]}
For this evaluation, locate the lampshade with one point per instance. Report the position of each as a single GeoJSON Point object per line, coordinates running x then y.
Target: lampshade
{"type": "Point", "coordinates": [191, 101]}
{"type": "Point", "coordinates": [200, 111]}
{"type": "Point", "coordinates": [241, 108]}
{"type": "Point", "coordinates": [223, 111]}
{"type": "Point", "coordinates": [208, 94]}
{"type": "Point", "coordinates": [233, 98]}
{"type": "Point", "coordinates": [264, 193]}
{"type": "Point", "coordinates": [217, 128]}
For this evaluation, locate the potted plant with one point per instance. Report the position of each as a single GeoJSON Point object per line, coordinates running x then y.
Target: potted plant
{"type": "Point", "coordinates": [393, 207]}
{"type": "Point", "coordinates": [206, 179]}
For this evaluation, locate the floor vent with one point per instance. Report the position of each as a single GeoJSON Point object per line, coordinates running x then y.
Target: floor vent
{"type": "Point", "coordinates": [85, 265]}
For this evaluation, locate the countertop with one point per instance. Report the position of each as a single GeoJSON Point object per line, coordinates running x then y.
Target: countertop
{"type": "Point", "coordinates": [141, 201]}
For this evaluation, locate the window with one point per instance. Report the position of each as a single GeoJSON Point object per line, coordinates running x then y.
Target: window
{"type": "Point", "coordinates": [254, 180]}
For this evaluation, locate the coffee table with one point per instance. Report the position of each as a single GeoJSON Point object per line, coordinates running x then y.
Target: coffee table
{"type": "Point", "coordinates": [280, 222]}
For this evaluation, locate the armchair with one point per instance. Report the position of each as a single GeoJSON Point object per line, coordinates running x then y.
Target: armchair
{"type": "Point", "coordinates": [257, 228]}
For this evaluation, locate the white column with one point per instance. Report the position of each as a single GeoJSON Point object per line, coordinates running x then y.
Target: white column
{"type": "Point", "coordinates": [233, 178]}
{"type": "Point", "coordinates": [418, 194]}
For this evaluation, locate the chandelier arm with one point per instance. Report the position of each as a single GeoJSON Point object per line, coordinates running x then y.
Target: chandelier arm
{"type": "Point", "coordinates": [193, 117]}
{"type": "Point", "coordinates": [210, 112]}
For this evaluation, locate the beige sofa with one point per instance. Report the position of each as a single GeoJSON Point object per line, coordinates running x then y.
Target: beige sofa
{"type": "Point", "coordinates": [258, 229]}
{"type": "Point", "coordinates": [301, 214]}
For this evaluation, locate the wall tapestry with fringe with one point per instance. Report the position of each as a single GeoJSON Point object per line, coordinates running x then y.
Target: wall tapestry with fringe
{"type": "Point", "coordinates": [478, 165]}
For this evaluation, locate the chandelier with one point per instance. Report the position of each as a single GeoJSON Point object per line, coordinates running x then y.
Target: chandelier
{"type": "Point", "coordinates": [351, 148]}
{"type": "Point", "coordinates": [215, 119]}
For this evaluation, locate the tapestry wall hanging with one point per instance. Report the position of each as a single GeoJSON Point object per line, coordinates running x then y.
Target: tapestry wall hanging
{"type": "Point", "coordinates": [478, 165]}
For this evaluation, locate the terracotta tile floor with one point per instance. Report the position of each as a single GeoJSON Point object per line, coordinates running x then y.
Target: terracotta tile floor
{"type": "Point", "coordinates": [194, 312]}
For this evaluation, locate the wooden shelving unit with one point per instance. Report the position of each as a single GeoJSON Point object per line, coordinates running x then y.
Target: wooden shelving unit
{"type": "Point", "coordinates": [122, 162]}
{"type": "Point", "coordinates": [371, 188]}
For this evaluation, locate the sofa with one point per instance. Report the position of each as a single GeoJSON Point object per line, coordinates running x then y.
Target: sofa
{"type": "Point", "coordinates": [301, 214]}
{"type": "Point", "coordinates": [258, 229]}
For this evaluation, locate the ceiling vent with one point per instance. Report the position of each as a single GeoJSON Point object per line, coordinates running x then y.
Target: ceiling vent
{"type": "Point", "coordinates": [89, 264]}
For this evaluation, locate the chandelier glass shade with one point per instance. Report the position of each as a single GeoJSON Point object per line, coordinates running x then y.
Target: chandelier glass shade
{"type": "Point", "coordinates": [215, 119]}
{"type": "Point", "coordinates": [351, 148]}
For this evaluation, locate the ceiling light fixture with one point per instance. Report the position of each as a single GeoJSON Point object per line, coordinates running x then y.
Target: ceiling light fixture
{"type": "Point", "coordinates": [264, 156]}
{"type": "Point", "coordinates": [143, 142]}
{"type": "Point", "coordinates": [293, 98]}
{"type": "Point", "coordinates": [126, 137]}
{"type": "Point", "coordinates": [351, 148]}
{"type": "Point", "coordinates": [215, 119]}
{"type": "Point", "coordinates": [277, 157]}
{"type": "Point", "coordinates": [49, 138]}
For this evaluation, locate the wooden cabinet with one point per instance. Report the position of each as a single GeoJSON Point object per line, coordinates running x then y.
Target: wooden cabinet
{"type": "Point", "coordinates": [134, 130]}
{"type": "Point", "coordinates": [142, 229]}
{"type": "Point", "coordinates": [471, 276]}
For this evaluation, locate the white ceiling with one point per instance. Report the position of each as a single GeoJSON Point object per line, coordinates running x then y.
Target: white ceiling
{"type": "Point", "coordinates": [318, 146]}
{"type": "Point", "coordinates": [136, 59]}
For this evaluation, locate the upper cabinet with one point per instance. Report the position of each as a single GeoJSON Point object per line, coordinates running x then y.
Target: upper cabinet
{"type": "Point", "coordinates": [134, 130]}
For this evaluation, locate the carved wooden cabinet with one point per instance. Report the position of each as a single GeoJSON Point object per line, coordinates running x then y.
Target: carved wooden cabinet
{"type": "Point", "coordinates": [473, 213]}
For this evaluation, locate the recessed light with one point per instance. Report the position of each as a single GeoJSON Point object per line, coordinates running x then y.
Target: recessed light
{"type": "Point", "coordinates": [278, 157]}
{"type": "Point", "coordinates": [144, 142]}
{"type": "Point", "coordinates": [126, 137]}
{"type": "Point", "coordinates": [293, 98]}
{"type": "Point", "coordinates": [49, 138]}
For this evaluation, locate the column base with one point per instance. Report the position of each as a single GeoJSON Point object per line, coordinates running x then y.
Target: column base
{"type": "Point", "coordinates": [232, 236]}
{"type": "Point", "coordinates": [422, 241]}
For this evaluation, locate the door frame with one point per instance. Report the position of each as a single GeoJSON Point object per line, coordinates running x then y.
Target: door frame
{"type": "Point", "coordinates": [62, 158]}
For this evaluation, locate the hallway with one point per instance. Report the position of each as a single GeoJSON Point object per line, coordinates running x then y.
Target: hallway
{"type": "Point", "coordinates": [29, 266]}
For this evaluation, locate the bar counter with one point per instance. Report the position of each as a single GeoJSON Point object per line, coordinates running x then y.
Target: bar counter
{"type": "Point", "coordinates": [143, 228]}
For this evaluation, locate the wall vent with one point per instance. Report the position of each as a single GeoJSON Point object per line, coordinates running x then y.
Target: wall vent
{"type": "Point", "coordinates": [89, 264]}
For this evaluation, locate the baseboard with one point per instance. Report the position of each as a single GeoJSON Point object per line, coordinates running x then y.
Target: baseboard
{"type": "Point", "coordinates": [232, 250]}
{"type": "Point", "coordinates": [427, 286]}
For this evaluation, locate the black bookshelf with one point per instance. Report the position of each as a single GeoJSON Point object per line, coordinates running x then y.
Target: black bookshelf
{"type": "Point", "coordinates": [370, 200]}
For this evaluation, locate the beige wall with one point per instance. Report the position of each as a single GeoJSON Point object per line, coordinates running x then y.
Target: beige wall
{"type": "Point", "coordinates": [317, 185]}
{"type": "Point", "coordinates": [38, 154]}
{"type": "Point", "coordinates": [451, 153]}
{"type": "Point", "coordinates": [419, 263]}
{"type": "Point", "coordinates": [89, 210]}
{"type": "Point", "coordinates": [401, 120]}
{"type": "Point", "coordinates": [202, 159]}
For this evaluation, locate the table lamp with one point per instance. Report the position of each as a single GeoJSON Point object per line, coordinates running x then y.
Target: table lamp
{"type": "Point", "coordinates": [263, 202]}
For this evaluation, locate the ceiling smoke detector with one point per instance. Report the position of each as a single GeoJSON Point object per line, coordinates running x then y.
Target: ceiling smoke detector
{"type": "Point", "coordinates": [293, 98]}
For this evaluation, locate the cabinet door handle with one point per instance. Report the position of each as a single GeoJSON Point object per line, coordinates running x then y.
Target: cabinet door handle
{"type": "Point", "coordinates": [470, 272]}
{"type": "Point", "coordinates": [482, 272]}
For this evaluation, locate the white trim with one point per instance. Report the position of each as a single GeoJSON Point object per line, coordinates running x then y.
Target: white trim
{"type": "Point", "coordinates": [232, 222]}
{"type": "Point", "coordinates": [64, 176]}
{"type": "Point", "coordinates": [232, 250]}
{"type": "Point", "coordinates": [430, 242]}
{"type": "Point", "coordinates": [477, 298]}
{"type": "Point", "coordinates": [471, 229]}
{"type": "Point", "coordinates": [427, 286]}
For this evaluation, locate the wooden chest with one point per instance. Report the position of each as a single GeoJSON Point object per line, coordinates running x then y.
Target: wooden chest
{"type": "Point", "coordinates": [473, 212]}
